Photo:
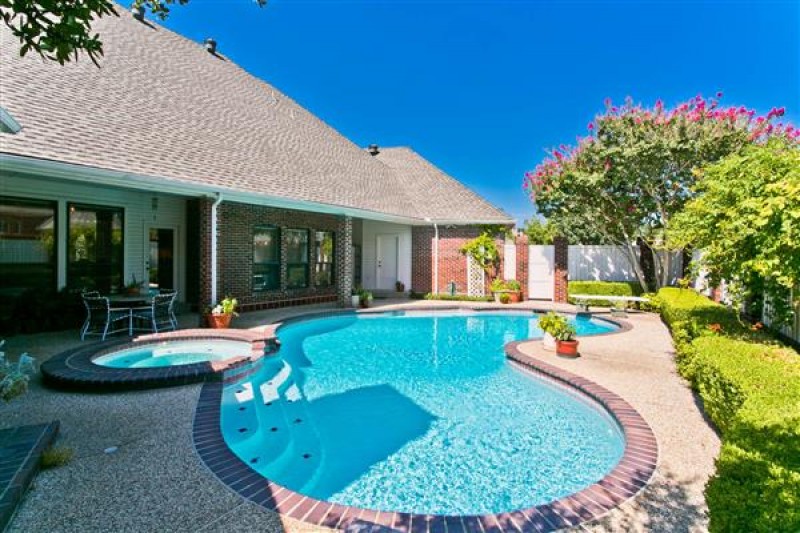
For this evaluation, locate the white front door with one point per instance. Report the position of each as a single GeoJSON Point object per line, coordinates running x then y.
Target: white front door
{"type": "Point", "coordinates": [386, 274]}
{"type": "Point", "coordinates": [541, 272]}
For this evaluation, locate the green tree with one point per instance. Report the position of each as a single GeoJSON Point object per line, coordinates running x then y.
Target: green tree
{"type": "Point", "coordinates": [746, 220]}
{"type": "Point", "coordinates": [539, 232]}
{"type": "Point", "coordinates": [60, 30]}
{"type": "Point", "coordinates": [634, 171]}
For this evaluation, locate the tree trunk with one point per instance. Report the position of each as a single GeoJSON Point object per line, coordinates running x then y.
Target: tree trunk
{"type": "Point", "coordinates": [634, 259]}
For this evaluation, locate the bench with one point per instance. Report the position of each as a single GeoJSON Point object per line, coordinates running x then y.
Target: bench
{"type": "Point", "coordinates": [620, 302]}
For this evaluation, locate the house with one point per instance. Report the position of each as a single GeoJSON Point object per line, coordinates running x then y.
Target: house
{"type": "Point", "coordinates": [171, 165]}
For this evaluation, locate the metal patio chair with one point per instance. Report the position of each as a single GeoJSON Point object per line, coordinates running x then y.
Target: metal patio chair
{"type": "Point", "coordinates": [101, 318]}
{"type": "Point", "coordinates": [172, 309]}
{"type": "Point", "coordinates": [160, 315]}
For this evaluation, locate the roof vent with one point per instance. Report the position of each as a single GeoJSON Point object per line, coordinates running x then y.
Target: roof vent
{"type": "Point", "coordinates": [211, 46]}
{"type": "Point", "coordinates": [373, 149]}
{"type": "Point", "coordinates": [137, 11]}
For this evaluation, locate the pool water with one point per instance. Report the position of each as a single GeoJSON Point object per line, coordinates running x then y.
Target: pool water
{"type": "Point", "coordinates": [174, 353]}
{"type": "Point", "coordinates": [417, 412]}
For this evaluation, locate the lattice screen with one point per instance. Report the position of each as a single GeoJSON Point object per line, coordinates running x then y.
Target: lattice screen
{"type": "Point", "coordinates": [475, 278]}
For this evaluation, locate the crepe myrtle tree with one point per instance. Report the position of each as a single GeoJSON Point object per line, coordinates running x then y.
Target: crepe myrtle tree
{"type": "Point", "coordinates": [627, 178]}
{"type": "Point", "coordinates": [60, 30]}
{"type": "Point", "coordinates": [746, 219]}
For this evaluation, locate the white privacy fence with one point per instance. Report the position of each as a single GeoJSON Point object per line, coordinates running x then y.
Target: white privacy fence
{"type": "Point", "coordinates": [610, 263]}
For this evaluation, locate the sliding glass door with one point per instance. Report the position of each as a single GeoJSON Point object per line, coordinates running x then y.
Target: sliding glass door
{"type": "Point", "coordinates": [95, 248]}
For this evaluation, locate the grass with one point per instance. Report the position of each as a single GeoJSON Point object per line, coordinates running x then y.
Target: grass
{"type": "Point", "coordinates": [750, 387]}
{"type": "Point", "coordinates": [56, 456]}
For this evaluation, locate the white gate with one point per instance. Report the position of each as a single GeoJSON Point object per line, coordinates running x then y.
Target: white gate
{"type": "Point", "coordinates": [541, 272]}
{"type": "Point", "coordinates": [475, 278]}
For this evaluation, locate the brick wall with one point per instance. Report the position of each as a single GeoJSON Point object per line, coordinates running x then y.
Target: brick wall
{"type": "Point", "coordinates": [235, 254]}
{"type": "Point", "coordinates": [561, 278]}
{"type": "Point", "coordinates": [522, 252]}
{"type": "Point", "coordinates": [452, 263]}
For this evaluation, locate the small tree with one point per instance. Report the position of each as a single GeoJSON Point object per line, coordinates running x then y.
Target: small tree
{"type": "Point", "coordinates": [634, 171]}
{"type": "Point", "coordinates": [61, 30]}
{"type": "Point", "coordinates": [746, 219]}
{"type": "Point", "coordinates": [539, 232]}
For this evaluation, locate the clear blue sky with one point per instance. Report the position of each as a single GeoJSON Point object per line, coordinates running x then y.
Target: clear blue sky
{"type": "Point", "coordinates": [483, 88]}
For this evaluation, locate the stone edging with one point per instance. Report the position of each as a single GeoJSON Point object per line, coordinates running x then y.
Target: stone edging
{"type": "Point", "coordinates": [628, 477]}
{"type": "Point", "coordinates": [20, 450]}
{"type": "Point", "coordinates": [75, 368]}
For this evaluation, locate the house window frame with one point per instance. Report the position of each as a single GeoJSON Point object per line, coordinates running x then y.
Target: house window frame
{"type": "Point", "coordinates": [123, 230]}
{"type": "Point", "coordinates": [294, 264]}
{"type": "Point", "coordinates": [331, 262]}
{"type": "Point", "coordinates": [273, 264]}
{"type": "Point", "coordinates": [46, 203]}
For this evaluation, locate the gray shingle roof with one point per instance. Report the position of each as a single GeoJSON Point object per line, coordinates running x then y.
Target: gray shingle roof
{"type": "Point", "coordinates": [160, 105]}
{"type": "Point", "coordinates": [442, 197]}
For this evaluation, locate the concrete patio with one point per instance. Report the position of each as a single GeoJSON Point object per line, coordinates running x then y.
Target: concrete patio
{"type": "Point", "coordinates": [154, 481]}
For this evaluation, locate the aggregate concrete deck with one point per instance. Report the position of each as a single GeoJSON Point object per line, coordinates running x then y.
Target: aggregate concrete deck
{"type": "Point", "coordinates": [152, 479]}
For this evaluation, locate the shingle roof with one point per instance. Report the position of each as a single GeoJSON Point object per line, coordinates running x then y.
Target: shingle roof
{"type": "Point", "coordinates": [160, 105]}
{"type": "Point", "coordinates": [444, 198]}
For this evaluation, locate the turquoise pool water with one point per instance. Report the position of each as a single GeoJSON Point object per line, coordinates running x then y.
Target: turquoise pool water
{"type": "Point", "coordinates": [173, 353]}
{"type": "Point", "coordinates": [417, 412]}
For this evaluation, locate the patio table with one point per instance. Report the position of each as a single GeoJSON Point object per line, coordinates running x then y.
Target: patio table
{"type": "Point", "coordinates": [129, 303]}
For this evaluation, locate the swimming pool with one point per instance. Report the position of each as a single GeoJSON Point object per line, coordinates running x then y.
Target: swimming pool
{"type": "Point", "coordinates": [417, 412]}
{"type": "Point", "coordinates": [174, 353]}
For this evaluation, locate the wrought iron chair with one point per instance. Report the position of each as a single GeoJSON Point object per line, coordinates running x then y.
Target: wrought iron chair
{"type": "Point", "coordinates": [101, 318]}
{"type": "Point", "coordinates": [160, 315]}
{"type": "Point", "coordinates": [172, 309]}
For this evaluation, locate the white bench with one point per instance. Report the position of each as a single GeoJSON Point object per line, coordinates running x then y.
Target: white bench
{"type": "Point", "coordinates": [620, 302]}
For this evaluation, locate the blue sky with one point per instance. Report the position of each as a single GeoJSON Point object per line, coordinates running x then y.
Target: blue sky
{"type": "Point", "coordinates": [483, 88]}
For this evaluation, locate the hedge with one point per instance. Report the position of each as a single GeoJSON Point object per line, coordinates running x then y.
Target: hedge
{"type": "Point", "coordinates": [458, 297]}
{"type": "Point", "coordinates": [750, 387]}
{"type": "Point", "coordinates": [611, 288]}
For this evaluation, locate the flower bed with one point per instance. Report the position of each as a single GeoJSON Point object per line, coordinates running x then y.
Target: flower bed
{"type": "Point", "coordinates": [750, 387]}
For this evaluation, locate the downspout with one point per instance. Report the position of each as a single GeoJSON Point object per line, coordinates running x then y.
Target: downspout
{"type": "Point", "coordinates": [214, 248]}
{"type": "Point", "coordinates": [436, 258]}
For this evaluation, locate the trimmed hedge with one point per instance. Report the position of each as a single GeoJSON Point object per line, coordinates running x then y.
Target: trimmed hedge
{"type": "Point", "coordinates": [611, 288]}
{"type": "Point", "coordinates": [750, 387]}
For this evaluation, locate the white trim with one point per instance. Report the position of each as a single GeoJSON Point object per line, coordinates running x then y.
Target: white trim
{"type": "Point", "coordinates": [9, 122]}
{"type": "Point", "coordinates": [129, 180]}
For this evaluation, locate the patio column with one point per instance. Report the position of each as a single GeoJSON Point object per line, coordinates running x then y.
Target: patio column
{"type": "Point", "coordinates": [521, 244]}
{"type": "Point", "coordinates": [344, 261]}
{"type": "Point", "coordinates": [561, 278]}
{"type": "Point", "coordinates": [204, 292]}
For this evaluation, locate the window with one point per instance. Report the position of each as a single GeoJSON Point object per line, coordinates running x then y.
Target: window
{"type": "Point", "coordinates": [296, 258]}
{"type": "Point", "coordinates": [266, 258]}
{"type": "Point", "coordinates": [95, 251]}
{"type": "Point", "coordinates": [323, 258]}
{"type": "Point", "coordinates": [27, 245]}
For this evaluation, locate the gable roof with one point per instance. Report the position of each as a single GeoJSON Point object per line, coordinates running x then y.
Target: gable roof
{"type": "Point", "coordinates": [162, 106]}
{"type": "Point", "coordinates": [445, 198]}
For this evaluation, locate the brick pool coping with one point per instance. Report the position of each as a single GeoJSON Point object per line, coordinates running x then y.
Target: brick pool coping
{"type": "Point", "coordinates": [626, 479]}
{"type": "Point", "coordinates": [76, 369]}
{"type": "Point", "coordinates": [20, 450]}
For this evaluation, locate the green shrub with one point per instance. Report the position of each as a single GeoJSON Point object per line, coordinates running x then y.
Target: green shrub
{"type": "Point", "coordinates": [457, 297]}
{"type": "Point", "coordinates": [610, 288]}
{"type": "Point", "coordinates": [750, 387]}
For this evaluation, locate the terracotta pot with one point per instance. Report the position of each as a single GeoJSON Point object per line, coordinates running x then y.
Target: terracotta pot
{"type": "Point", "coordinates": [567, 348]}
{"type": "Point", "coordinates": [516, 296]}
{"type": "Point", "coordinates": [133, 291]}
{"type": "Point", "coordinates": [219, 321]}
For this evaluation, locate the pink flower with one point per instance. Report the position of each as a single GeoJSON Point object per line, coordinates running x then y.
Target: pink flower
{"type": "Point", "coordinates": [590, 127]}
{"type": "Point", "coordinates": [607, 102]}
{"type": "Point", "coordinates": [719, 94]}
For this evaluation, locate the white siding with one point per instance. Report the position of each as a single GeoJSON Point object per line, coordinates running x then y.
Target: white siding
{"type": "Point", "coordinates": [369, 239]}
{"type": "Point", "coordinates": [139, 217]}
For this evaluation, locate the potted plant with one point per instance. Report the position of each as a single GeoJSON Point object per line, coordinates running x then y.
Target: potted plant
{"type": "Point", "coordinates": [355, 297]}
{"type": "Point", "coordinates": [366, 298]}
{"type": "Point", "coordinates": [514, 289]}
{"type": "Point", "coordinates": [511, 288]}
{"type": "Point", "coordinates": [505, 298]}
{"type": "Point", "coordinates": [134, 288]}
{"type": "Point", "coordinates": [219, 317]}
{"type": "Point", "coordinates": [549, 324]}
{"type": "Point", "coordinates": [566, 344]}
{"type": "Point", "coordinates": [400, 286]}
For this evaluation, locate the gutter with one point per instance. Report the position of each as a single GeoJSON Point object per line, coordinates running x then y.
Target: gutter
{"type": "Point", "coordinates": [214, 248]}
